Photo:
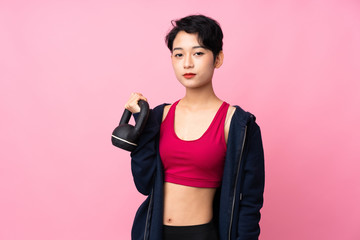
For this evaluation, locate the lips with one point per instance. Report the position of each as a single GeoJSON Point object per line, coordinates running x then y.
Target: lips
{"type": "Point", "coordinates": [189, 75]}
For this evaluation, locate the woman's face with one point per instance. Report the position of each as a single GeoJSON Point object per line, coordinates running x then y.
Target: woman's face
{"type": "Point", "coordinates": [193, 65]}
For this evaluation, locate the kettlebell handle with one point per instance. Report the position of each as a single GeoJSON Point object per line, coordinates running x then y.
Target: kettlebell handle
{"type": "Point", "coordinates": [143, 115]}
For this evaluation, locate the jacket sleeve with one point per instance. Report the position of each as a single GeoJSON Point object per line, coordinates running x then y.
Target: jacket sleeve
{"type": "Point", "coordinates": [143, 158]}
{"type": "Point", "coordinates": [253, 186]}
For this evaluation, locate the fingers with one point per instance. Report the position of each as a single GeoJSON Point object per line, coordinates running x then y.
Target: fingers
{"type": "Point", "coordinates": [132, 104]}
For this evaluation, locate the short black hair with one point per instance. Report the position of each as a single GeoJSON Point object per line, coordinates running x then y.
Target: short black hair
{"type": "Point", "coordinates": [209, 32]}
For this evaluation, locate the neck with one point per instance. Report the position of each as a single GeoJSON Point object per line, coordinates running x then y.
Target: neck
{"type": "Point", "coordinates": [200, 96]}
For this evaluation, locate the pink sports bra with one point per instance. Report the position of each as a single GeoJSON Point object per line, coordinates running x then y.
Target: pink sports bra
{"type": "Point", "coordinates": [196, 163]}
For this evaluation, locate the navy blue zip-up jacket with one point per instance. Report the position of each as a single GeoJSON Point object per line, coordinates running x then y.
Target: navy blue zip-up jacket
{"type": "Point", "coordinates": [237, 201]}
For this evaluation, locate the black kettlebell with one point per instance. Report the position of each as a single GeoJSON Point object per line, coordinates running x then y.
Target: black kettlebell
{"type": "Point", "coordinates": [125, 136]}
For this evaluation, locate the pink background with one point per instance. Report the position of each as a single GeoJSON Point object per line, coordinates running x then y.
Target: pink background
{"type": "Point", "coordinates": [68, 67]}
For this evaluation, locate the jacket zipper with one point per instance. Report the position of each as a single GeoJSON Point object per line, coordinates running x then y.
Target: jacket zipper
{"type": "Point", "coordinates": [148, 213]}
{"type": "Point", "coordinates": [236, 180]}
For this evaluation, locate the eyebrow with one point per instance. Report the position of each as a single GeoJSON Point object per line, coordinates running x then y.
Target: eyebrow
{"type": "Point", "coordinates": [179, 48]}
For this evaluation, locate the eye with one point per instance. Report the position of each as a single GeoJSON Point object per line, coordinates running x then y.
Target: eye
{"type": "Point", "coordinates": [199, 53]}
{"type": "Point", "coordinates": [177, 55]}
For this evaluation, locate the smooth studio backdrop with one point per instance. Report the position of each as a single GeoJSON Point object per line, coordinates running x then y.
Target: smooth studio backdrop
{"type": "Point", "coordinates": [68, 67]}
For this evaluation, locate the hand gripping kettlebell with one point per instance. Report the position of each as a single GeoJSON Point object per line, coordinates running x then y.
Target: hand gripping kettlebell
{"type": "Point", "coordinates": [125, 136]}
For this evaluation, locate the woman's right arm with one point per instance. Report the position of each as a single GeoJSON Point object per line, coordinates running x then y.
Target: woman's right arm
{"type": "Point", "coordinates": [143, 158]}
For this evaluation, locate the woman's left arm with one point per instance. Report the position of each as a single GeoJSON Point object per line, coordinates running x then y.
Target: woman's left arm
{"type": "Point", "coordinates": [253, 186]}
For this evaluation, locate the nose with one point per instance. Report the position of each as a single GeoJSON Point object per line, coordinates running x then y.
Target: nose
{"type": "Point", "coordinates": [188, 62]}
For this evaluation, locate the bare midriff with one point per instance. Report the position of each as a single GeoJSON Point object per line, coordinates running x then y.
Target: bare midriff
{"type": "Point", "coordinates": [185, 206]}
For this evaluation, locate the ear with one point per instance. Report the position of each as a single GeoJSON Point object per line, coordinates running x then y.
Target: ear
{"type": "Point", "coordinates": [219, 59]}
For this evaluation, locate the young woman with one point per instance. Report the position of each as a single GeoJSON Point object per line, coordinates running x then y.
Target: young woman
{"type": "Point", "coordinates": [199, 160]}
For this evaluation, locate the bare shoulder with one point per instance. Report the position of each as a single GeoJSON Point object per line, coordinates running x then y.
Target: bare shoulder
{"type": "Point", "coordinates": [166, 110]}
{"type": "Point", "coordinates": [229, 115]}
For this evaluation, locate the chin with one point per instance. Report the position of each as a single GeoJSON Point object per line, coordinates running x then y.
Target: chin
{"type": "Point", "coordinates": [192, 86]}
